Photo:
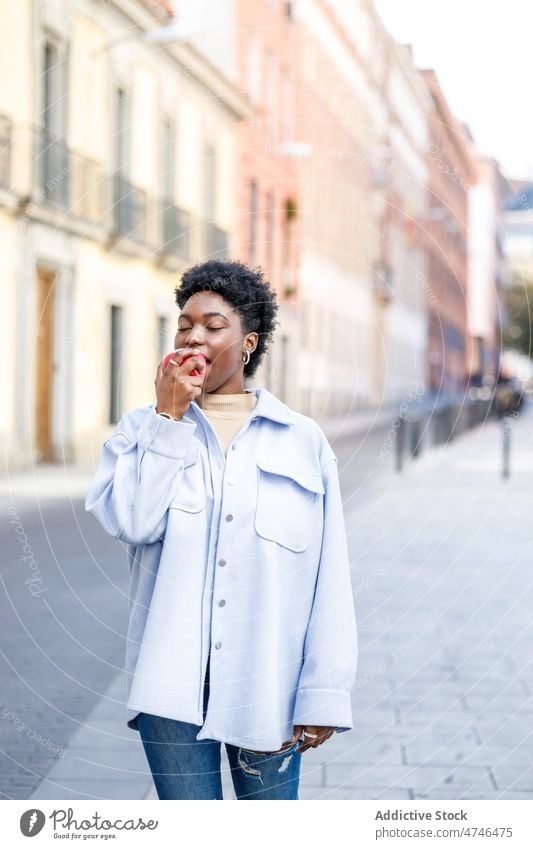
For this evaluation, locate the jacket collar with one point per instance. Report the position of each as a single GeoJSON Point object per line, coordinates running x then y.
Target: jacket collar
{"type": "Point", "coordinates": [268, 406]}
{"type": "Point", "coordinates": [271, 407]}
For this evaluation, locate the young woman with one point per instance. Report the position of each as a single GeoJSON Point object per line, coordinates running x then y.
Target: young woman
{"type": "Point", "coordinates": [242, 628]}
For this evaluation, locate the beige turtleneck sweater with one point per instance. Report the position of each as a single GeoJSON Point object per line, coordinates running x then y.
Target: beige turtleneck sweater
{"type": "Point", "coordinates": [227, 413]}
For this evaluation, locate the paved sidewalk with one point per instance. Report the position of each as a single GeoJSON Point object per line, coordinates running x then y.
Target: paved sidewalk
{"type": "Point", "coordinates": [443, 704]}
{"type": "Point", "coordinates": [443, 591]}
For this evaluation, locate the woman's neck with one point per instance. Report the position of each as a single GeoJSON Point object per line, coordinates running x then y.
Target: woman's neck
{"type": "Point", "coordinates": [227, 402]}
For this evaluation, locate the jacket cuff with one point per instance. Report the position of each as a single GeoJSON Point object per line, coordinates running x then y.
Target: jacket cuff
{"type": "Point", "coordinates": [323, 707]}
{"type": "Point", "coordinates": [165, 437]}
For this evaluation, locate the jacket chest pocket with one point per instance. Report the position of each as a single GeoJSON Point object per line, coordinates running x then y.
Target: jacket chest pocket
{"type": "Point", "coordinates": [190, 490]}
{"type": "Point", "coordinates": [289, 505]}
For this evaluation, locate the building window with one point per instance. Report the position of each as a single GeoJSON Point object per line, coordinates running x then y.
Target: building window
{"type": "Point", "coordinates": [253, 68]}
{"type": "Point", "coordinates": [121, 131]}
{"type": "Point", "coordinates": [271, 98]}
{"type": "Point", "coordinates": [252, 232]}
{"type": "Point", "coordinates": [129, 206]}
{"type": "Point", "coordinates": [168, 160]}
{"type": "Point", "coordinates": [287, 108]}
{"type": "Point", "coordinates": [53, 153]}
{"type": "Point", "coordinates": [209, 183]}
{"type": "Point", "coordinates": [116, 348]}
{"type": "Point", "coordinates": [216, 239]}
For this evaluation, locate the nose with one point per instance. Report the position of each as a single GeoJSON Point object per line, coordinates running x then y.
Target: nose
{"type": "Point", "coordinates": [195, 337]}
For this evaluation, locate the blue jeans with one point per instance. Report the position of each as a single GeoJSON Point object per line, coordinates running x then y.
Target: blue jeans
{"type": "Point", "coordinates": [186, 768]}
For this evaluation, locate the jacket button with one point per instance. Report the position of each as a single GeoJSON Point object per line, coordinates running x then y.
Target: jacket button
{"type": "Point", "coordinates": [229, 518]}
{"type": "Point", "coordinates": [221, 562]}
{"type": "Point", "coordinates": [218, 645]}
{"type": "Point", "coordinates": [234, 446]}
{"type": "Point", "coordinates": [231, 483]}
{"type": "Point", "coordinates": [222, 602]}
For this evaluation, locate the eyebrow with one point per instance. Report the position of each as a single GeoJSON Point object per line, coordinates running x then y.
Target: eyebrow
{"type": "Point", "coordinates": [206, 315]}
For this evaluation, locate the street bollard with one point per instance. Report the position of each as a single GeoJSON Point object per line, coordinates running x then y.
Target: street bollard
{"type": "Point", "coordinates": [400, 441]}
{"type": "Point", "coordinates": [416, 429]}
{"type": "Point", "coordinates": [506, 445]}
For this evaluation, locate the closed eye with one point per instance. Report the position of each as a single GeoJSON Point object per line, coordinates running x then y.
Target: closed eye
{"type": "Point", "coordinates": [187, 329]}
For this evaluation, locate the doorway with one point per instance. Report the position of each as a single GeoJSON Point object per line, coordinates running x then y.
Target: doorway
{"type": "Point", "coordinates": [44, 365]}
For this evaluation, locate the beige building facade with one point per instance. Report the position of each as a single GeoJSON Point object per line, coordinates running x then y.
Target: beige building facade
{"type": "Point", "coordinates": [342, 117]}
{"type": "Point", "coordinates": [117, 167]}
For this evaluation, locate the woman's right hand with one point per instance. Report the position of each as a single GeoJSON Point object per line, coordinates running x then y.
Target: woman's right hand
{"type": "Point", "coordinates": [175, 387]}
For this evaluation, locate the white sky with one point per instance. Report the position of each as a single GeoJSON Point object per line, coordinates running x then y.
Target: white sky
{"type": "Point", "coordinates": [481, 52]}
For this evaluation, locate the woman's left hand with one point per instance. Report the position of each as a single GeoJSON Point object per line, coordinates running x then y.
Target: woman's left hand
{"type": "Point", "coordinates": [320, 733]}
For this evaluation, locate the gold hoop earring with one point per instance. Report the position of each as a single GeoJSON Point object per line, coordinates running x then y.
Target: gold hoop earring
{"type": "Point", "coordinates": [246, 357]}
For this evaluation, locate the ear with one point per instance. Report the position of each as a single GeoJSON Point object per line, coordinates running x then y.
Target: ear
{"type": "Point", "coordinates": [252, 339]}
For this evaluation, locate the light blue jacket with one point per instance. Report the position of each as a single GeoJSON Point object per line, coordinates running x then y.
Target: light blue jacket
{"type": "Point", "coordinates": [241, 558]}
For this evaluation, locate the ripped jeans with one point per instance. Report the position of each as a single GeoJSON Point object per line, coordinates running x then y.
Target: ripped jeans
{"type": "Point", "coordinates": [183, 767]}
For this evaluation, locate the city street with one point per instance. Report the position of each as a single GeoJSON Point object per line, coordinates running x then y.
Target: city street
{"type": "Point", "coordinates": [443, 698]}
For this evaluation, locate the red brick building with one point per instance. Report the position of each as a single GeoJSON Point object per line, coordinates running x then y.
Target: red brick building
{"type": "Point", "coordinates": [267, 185]}
{"type": "Point", "coordinates": [451, 173]}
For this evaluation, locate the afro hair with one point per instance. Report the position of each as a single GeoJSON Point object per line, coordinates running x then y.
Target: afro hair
{"type": "Point", "coordinates": [245, 289]}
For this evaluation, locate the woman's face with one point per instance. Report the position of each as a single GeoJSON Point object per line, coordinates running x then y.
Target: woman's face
{"type": "Point", "coordinates": [212, 326]}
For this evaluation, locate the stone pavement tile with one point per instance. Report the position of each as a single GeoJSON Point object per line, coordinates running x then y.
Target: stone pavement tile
{"type": "Point", "coordinates": [436, 702]}
{"type": "Point", "coordinates": [318, 793]}
{"type": "Point", "coordinates": [485, 685]}
{"type": "Point", "coordinates": [368, 751]}
{"type": "Point", "coordinates": [365, 710]}
{"type": "Point", "coordinates": [515, 794]}
{"type": "Point", "coordinates": [449, 793]}
{"type": "Point", "coordinates": [501, 731]}
{"type": "Point", "coordinates": [104, 736]}
{"type": "Point", "coordinates": [413, 777]}
{"type": "Point", "coordinates": [500, 703]}
{"type": "Point", "coordinates": [430, 738]}
{"type": "Point", "coordinates": [484, 755]}
{"type": "Point", "coordinates": [109, 727]}
{"type": "Point", "coordinates": [374, 699]}
{"type": "Point", "coordinates": [511, 778]}
{"type": "Point", "coordinates": [85, 789]}
{"type": "Point", "coordinates": [444, 719]}
{"type": "Point", "coordinates": [80, 768]}
{"type": "Point", "coordinates": [376, 723]}
{"type": "Point", "coordinates": [351, 793]}
{"type": "Point", "coordinates": [311, 774]}
{"type": "Point", "coordinates": [127, 756]}
{"type": "Point", "coordinates": [103, 756]}
{"type": "Point", "coordinates": [417, 687]}
{"type": "Point", "coordinates": [443, 753]}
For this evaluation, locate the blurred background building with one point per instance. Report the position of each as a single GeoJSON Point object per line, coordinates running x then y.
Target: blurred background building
{"type": "Point", "coordinates": [140, 136]}
{"type": "Point", "coordinates": [119, 164]}
{"type": "Point", "coordinates": [451, 177]}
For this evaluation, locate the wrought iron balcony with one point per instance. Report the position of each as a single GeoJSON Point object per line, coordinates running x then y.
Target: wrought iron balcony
{"type": "Point", "coordinates": [215, 241]}
{"type": "Point", "coordinates": [175, 231]}
{"type": "Point", "coordinates": [52, 169]}
{"type": "Point", "coordinates": [129, 210]}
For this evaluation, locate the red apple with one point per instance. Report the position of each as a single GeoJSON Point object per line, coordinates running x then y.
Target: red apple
{"type": "Point", "coordinates": [194, 372]}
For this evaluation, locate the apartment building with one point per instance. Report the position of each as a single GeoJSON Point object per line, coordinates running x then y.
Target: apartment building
{"type": "Point", "coordinates": [117, 170]}
{"type": "Point", "coordinates": [452, 175]}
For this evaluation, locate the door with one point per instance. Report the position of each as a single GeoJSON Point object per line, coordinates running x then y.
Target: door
{"type": "Point", "coordinates": [43, 353]}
